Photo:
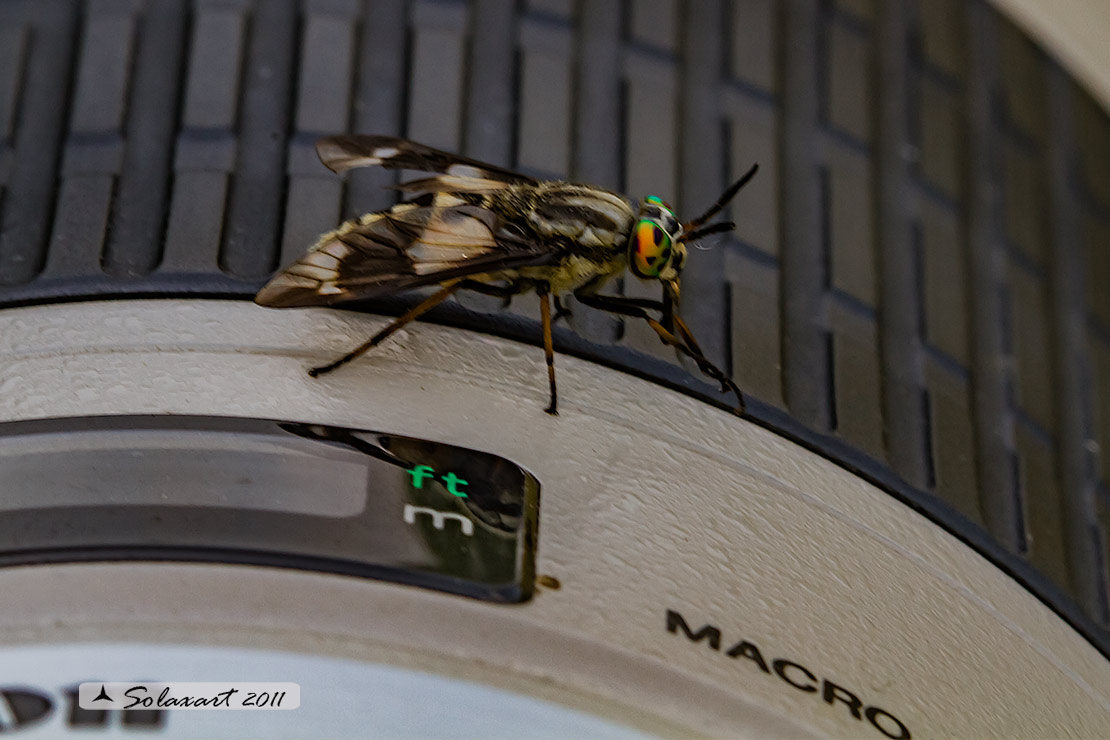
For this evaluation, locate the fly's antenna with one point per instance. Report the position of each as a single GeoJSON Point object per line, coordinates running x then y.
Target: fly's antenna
{"type": "Point", "coordinates": [733, 189]}
{"type": "Point", "coordinates": [707, 230]}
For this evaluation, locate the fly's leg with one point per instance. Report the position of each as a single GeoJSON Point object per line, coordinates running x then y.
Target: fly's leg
{"type": "Point", "coordinates": [513, 289]}
{"type": "Point", "coordinates": [561, 310]}
{"type": "Point", "coordinates": [548, 349]}
{"type": "Point", "coordinates": [424, 306]}
{"type": "Point", "coordinates": [590, 290]}
{"type": "Point", "coordinates": [637, 308]}
{"type": "Point", "coordinates": [504, 292]}
{"type": "Point", "coordinates": [671, 321]}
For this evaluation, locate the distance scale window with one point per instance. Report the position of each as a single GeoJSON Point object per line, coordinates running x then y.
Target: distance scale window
{"type": "Point", "coordinates": [268, 492]}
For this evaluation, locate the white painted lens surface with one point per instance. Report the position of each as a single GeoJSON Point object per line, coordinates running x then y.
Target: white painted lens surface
{"type": "Point", "coordinates": [663, 518]}
{"type": "Point", "coordinates": [339, 699]}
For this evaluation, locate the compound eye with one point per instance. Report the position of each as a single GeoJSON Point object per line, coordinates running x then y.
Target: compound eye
{"type": "Point", "coordinates": [656, 200]}
{"type": "Point", "coordinates": [651, 251]}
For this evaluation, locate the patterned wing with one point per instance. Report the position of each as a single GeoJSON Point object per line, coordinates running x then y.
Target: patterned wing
{"type": "Point", "coordinates": [406, 247]}
{"type": "Point", "coordinates": [341, 153]}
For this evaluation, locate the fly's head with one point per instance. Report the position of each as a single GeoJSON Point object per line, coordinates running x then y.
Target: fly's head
{"type": "Point", "coordinates": [656, 248]}
{"type": "Point", "coordinates": [657, 244]}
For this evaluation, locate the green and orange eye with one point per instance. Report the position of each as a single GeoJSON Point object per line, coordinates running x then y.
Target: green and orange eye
{"type": "Point", "coordinates": [650, 250]}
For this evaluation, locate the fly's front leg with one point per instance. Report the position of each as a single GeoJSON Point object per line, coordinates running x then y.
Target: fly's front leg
{"type": "Point", "coordinates": [589, 291]}
{"type": "Point", "coordinates": [669, 316]}
{"type": "Point", "coordinates": [638, 308]}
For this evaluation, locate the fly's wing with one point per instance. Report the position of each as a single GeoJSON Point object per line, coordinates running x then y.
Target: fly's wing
{"type": "Point", "coordinates": [436, 238]}
{"type": "Point", "coordinates": [345, 152]}
{"type": "Point", "coordinates": [406, 247]}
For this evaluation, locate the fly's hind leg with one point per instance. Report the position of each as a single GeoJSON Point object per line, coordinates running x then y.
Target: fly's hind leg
{"type": "Point", "coordinates": [424, 306]}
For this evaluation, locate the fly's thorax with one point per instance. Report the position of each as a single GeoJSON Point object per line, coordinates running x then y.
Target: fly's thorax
{"type": "Point", "coordinates": [586, 220]}
{"type": "Point", "coordinates": [655, 247]}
